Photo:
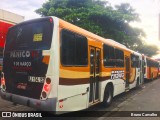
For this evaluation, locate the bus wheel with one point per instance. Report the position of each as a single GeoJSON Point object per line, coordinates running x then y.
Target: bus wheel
{"type": "Point", "coordinates": [137, 84]}
{"type": "Point", "coordinates": [108, 95]}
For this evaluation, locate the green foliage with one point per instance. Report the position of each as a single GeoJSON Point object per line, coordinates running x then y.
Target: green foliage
{"type": "Point", "coordinates": [100, 18]}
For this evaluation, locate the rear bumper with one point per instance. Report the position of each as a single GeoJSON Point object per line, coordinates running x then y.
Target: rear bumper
{"type": "Point", "coordinates": [44, 105]}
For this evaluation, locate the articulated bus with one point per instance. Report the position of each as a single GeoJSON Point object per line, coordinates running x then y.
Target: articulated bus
{"type": "Point", "coordinates": [52, 65]}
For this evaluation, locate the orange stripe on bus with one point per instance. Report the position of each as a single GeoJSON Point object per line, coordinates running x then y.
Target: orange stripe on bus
{"type": "Point", "coordinates": [46, 59]}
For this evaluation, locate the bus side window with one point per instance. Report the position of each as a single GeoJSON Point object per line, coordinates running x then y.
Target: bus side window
{"type": "Point", "coordinates": [74, 49]}
{"type": "Point", "coordinates": [135, 61]}
{"type": "Point", "coordinates": [108, 56]}
{"type": "Point", "coordinates": [119, 54]}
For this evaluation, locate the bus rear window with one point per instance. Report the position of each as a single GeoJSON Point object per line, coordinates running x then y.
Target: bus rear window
{"type": "Point", "coordinates": [32, 35]}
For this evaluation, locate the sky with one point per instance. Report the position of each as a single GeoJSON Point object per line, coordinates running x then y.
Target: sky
{"type": "Point", "coordinates": [147, 9]}
{"type": "Point", "coordinates": [25, 8]}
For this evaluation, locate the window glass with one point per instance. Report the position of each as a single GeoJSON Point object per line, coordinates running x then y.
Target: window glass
{"type": "Point", "coordinates": [134, 61]}
{"type": "Point", "coordinates": [74, 49]}
{"type": "Point", "coordinates": [67, 48]}
{"type": "Point", "coordinates": [151, 63]}
{"type": "Point", "coordinates": [33, 35]}
{"type": "Point", "coordinates": [81, 49]}
{"type": "Point", "coordinates": [109, 56]}
{"type": "Point", "coordinates": [119, 54]}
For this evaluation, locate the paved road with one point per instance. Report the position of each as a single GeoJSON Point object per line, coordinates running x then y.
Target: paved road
{"type": "Point", "coordinates": [143, 98]}
{"type": "Point", "coordinates": [147, 100]}
{"type": "Point", "coordinates": [144, 102]}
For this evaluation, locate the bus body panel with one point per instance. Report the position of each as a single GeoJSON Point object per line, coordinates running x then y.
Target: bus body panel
{"type": "Point", "coordinates": [74, 98]}
{"type": "Point", "coordinates": [53, 68]}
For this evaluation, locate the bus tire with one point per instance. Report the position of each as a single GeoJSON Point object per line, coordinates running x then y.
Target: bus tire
{"type": "Point", "coordinates": [108, 95]}
{"type": "Point", "coordinates": [137, 84]}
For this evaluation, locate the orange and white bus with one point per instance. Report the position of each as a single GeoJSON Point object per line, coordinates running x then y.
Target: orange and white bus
{"type": "Point", "coordinates": [52, 65]}
{"type": "Point", "coordinates": [151, 68]}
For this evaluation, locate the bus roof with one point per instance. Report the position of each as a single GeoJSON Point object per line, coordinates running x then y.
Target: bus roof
{"type": "Point", "coordinates": [93, 36]}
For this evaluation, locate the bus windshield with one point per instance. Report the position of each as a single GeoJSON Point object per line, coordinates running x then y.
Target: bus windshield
{"type": "Point", "coordinates": [30, 36]}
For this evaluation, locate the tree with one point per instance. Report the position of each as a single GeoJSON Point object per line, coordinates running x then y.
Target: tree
{"type": "Point", "coordinates": [98, 17]}
{"type": "Point", "coordinates": [148, 50]}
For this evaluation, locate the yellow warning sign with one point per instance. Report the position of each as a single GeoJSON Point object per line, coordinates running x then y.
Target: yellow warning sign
{"type": "Point", "coordinates": [37, 37]}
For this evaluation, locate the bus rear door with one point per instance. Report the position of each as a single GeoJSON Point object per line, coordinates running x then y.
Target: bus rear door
{"type": "Point", "coordinates": [94, 74]}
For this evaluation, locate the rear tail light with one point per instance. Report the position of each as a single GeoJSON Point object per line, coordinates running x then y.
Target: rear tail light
{"type": "Point", "coordinates": [3, 83]}
{"type": "Point", "coordinates": [51, 20]}
{"type": "Point", "coordinates": [46, 88]}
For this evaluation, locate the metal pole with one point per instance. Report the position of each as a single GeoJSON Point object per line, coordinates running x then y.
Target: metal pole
{"type": "Point", "coordinates": [159, 26]}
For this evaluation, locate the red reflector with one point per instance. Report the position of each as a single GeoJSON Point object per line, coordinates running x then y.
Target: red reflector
{"type": "Point", "coordinates": [51, 20]}
{"type": "Point", "coordinates": [46, 87]}
{"type": "Point", "coordinates": [61, 103]}
{"type": "Point", "coordinates": [37, 103]}
{"type": "Point", "coordinates": [61, 106]}
{"type": "Point", "coordinates": [61, 100]}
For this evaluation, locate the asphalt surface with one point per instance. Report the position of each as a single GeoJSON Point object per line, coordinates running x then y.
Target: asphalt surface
{"type": "Point", "coordinates": [139, 100]}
